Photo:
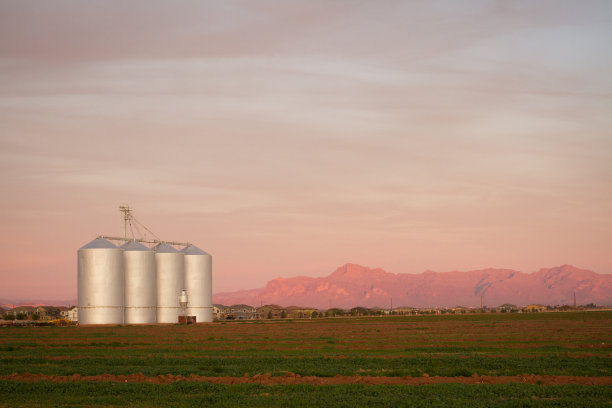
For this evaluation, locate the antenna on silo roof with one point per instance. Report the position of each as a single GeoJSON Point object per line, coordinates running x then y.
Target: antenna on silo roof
{"type": "Point", "coordinates": [126, 218]}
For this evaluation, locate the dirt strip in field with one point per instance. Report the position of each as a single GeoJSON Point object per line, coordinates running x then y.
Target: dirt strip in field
{"type": "Point", "coordinates": [290, 378]}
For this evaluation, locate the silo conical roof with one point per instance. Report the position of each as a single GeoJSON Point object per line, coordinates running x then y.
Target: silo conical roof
{"type": "Point", "coordinates": [193, 250]}
{"type": "Point", "coordinates": [99, 243]}
{"type": "Point", "coordinates": [134, 246]}
{"type": "Point", "coordinates": [164, 248]}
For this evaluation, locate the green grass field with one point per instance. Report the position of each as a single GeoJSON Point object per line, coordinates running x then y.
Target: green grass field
{"type": "Point", "coordinates": [184, 394]}
{"type": "Point", "coordinates": [577, 344]}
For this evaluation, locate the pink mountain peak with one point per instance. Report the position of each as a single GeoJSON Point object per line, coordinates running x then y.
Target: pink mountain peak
{"type": "Point", "coordinates": [354, 285]}
{"type": "Point", "coordinates": [354, 270]}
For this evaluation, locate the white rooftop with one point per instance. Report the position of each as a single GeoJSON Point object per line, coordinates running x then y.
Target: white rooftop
{"type": "Point", "coordinates": [99, 243]}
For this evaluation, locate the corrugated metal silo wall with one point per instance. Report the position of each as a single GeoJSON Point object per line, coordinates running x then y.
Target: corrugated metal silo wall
{"type": "Point", "coordinates": [170, 281]}
{"type": "Point", "coordinates": [140, 284]}
{"type": "Point", "coordinates": [198, 283]}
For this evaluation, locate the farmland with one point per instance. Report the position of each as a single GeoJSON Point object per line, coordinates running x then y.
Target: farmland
{"type": "Point", "coordinates": [539, 359]}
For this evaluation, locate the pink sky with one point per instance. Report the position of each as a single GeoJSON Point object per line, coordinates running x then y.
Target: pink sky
{"type": "Point", "coordinates": [288, 138]}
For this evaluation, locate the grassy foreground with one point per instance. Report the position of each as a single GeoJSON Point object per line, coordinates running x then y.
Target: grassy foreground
{"type": "Point", "coordinates": [414, 366]}
{"type": "Point", "coordinates": [577, 344]}
{"type": "Point", "coordinates": [184, 394]}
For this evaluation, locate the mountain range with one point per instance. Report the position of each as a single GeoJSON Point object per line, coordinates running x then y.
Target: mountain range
{"type": "Point", "coordinates": [355, 285]}
{"type": "Point", "coordinates": [11, 303]}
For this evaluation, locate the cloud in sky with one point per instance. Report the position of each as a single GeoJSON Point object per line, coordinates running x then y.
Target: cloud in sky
{"type": "Point", "coordinates": [289, 138]}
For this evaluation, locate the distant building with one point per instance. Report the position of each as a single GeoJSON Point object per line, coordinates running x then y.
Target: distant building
{"type": "Point", "coordinates": [334, 312]}
{"type": "Point", "coordinates": [404, 310]}
{"type": "Point", "coordinates": [534, 308]}
{"type": "Point", "coordinates": [49, 312]}
{"type": "Point", "coordinates": [219, 311]}
{"type": "Point", "coordinates": [507, 307]}
{"type": "Point", "coordinates": [296, 312]}
{"type": "Point", "coordinates": [379, 311]}
{"type": "Point", "coordinates": [460, 309]}
{"type": "Point", "coordinates": [241, 312]}
{"type": "Point", "coordinates": [28, 311]}
{"type": "Point", "coordinates": [71, 314]}
{"type": "Point", "coordinates": [270, 311]}
{"type": "Point", "coordinates": [42, 312]}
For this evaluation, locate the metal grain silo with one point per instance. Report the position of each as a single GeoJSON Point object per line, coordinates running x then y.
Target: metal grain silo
{"type": "Point", "coordinates": [101, 283]}
{"type": "Point", "coordinates": [170, 266]}
{"type": "Point", "coordinates": [140, 284]}
{"type": "Point", "coordinates": [198, 283]}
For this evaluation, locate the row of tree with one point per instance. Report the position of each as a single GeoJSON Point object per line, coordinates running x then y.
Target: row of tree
{"type": "Point", "coordinates": [356, 311]}
{"type": "Point", "coordinates": [20, 316]}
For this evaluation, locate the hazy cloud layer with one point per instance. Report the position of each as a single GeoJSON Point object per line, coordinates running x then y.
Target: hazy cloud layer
{"type": "Point", "coordinates": [288, 137]}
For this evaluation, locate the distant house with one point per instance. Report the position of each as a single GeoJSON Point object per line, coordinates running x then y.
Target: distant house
{"type": "Point", "coordinates": [42, 312]}
{"type": "Point", "coordinates": [334, 311]}
{"type": "Point", "coordinates": [272, 311]}
{"type": "Point", "coordinates": [28, 311]}
{"type": "Point", "coordinates": [507, 307]}
{"type": "Point", "coordinates": [429, 311]}
{"type": "Point", "coordinates": [296, 312]}
{"type": "Point", "coordinates": [404, 310]}
{"type": "Point", "coordinates": [460, 309]}
{"type": "Point", "coordinates": [58, 311]}
{"type": "Point", "coordinates": [379, 311]}
{"type": "Point", "coordinates": [241, 312]}
{"type": "Point", "coordinates": [71, 314]}
{"type": "Point", "coordinates": [534, 308]}
{"type": "Point", "coordinates": [219, 311]}
{"type": "Point", "coordinates": [47, 312]}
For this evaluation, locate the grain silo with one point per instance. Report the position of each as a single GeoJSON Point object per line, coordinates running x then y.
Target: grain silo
{"type": "Point", "coordinates": [135, 284]}
{"type": "Point", "coordinates": [101, 280]}
{"type": "Point", "coordinates": [198, 283]}
{"type": "Point", "coordinates": [140, 284]}
{"type": "Point", "coordinates": [170, 270]}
